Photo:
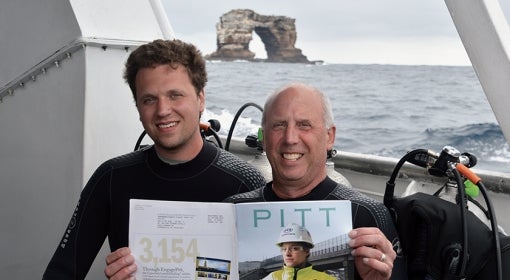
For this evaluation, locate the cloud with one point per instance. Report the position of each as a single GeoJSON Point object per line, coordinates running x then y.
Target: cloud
{"type": "Point", "coordinates": [340, 31]}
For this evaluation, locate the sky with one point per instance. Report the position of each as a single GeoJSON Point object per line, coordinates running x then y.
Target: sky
{"type": "Point", "coordinates": [405, 32]}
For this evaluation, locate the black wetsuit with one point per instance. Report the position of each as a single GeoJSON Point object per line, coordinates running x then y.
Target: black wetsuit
{"type": "Point", "coordinates": [103, 208]}
{"type": "Point", "coordinates": [366, 212]}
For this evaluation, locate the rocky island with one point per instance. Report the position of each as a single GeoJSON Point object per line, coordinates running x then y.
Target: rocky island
{"type": "Point", "coordinates": [277, 33]}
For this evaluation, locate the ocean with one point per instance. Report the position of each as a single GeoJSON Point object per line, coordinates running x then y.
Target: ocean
{"type": "Point", "coordinates": [384, 110]}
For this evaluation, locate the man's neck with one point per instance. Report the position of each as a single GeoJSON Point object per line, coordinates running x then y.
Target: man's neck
{"type": "Point", "coordinates": [170, 161]}
{"type": "Point", "coordinates": [181, 154]}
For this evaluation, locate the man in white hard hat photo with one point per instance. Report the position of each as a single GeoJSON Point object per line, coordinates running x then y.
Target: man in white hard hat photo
{"type": "Point", "coordinates": [295, 243]}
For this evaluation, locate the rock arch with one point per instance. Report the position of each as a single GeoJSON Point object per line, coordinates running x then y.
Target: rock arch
{"type": "Point", "coordinates": [277, 33]}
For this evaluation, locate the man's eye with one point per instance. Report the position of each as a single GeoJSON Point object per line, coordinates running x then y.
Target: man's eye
{"type": "Point", "coordinates": [148, 100]}
{"type": "Point", "coordinates": [304, 125]}
{"type": "Point", "coordinates": [175, 95]}
{"type": "Point", "coordinates": [279, 125]}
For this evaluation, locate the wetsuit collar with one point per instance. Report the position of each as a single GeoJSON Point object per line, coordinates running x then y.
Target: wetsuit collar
{"type": "Point", "coordinates": [320, 192]}
{"type": "Point", "coordinates": [205, 158]}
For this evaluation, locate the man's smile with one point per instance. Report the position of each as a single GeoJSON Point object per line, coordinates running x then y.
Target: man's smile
{"type": "Point", "coordinates": [292, 156]}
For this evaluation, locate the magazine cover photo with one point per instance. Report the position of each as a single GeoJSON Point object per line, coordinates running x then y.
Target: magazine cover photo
{"type": "Point", "coordinates": [285, 240]}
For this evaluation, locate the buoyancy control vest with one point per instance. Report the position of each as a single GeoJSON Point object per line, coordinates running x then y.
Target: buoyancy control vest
{"type": "Point", "coordinates": [443, 240]}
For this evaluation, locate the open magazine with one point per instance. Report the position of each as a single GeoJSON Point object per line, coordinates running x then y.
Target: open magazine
{"type": "Point", "coordinates": [202, 240]}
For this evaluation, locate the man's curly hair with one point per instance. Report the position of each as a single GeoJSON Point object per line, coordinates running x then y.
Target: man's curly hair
{"type": "Point", "coordinates": [167, 52]}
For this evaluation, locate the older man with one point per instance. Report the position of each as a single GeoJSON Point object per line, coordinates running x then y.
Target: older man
{"type": "Point", "coordinates": [298, 131]}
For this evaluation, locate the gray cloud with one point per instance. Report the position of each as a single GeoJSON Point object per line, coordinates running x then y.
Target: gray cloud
{"type": "Point", "coordinates": [334, 24]}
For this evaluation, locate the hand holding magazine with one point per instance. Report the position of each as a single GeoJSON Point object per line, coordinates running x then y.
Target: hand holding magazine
{"type": "Point", "coordinates": [201, 240]}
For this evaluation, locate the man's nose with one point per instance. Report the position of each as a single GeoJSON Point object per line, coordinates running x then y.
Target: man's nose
{"type": "Point", "coordinates": [164, 107]}
{"type": "Point", "coordinates": [291, 134]}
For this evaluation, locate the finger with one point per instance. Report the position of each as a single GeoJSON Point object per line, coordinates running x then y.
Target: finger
{"type": "Point", "coordinates": [378, 240]}
{"type": "Point", "coordinates": [368, 260]}
{"type": "Point", "coordinates": [384, 268]}
{"type": "Point", "coordinates": [117, 254]}
{"type": "Point", "coordinates": [385, 257]}
{"type": "Point", "coordinates": [365, 231]}
{"type": "Point", "coordinates": [126, 273]}
{"type": "Point", "coordinates": [371, 237]}
{"type": "Point", "coordinates": [121, 268]}
{"type": "Point", "coordinates": [382, 258]}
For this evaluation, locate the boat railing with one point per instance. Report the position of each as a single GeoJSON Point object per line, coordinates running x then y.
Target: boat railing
{"type": "Point", "coordinates": [498, 182]}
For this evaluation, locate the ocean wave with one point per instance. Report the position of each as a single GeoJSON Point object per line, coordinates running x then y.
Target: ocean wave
{"type": "Point", "coordinates": [468, 135]}
{"type": "Point", "coordinates": [384, 110]}
{"type": "Point", "coordinates": [484, 140]}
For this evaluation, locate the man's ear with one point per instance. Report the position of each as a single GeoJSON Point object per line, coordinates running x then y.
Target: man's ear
{"type": "Point", "coordinates": [331, 137]}
{"type": "Point", "coordinates": [201, 98]}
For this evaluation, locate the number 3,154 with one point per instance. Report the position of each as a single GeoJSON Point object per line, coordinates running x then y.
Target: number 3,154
{"type": "Point", "coordinates": [172, 250]}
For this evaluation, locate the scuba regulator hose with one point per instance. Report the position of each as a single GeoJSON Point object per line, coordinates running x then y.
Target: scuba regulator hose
{"type": "Point", "coordinates": [471, 176]}
{"type": "Point", "coordinates": [234, 122]}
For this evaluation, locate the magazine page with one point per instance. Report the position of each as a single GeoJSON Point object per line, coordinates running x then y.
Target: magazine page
{"type": "Point", "coordinates": [276, 237]}
{"type": "Point", "coordinates": [183, 240]}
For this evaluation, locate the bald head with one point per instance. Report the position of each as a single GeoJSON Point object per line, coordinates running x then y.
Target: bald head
{"type": "Point", "coordinates": [306, 89]}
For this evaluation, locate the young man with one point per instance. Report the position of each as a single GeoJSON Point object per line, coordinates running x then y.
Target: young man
{"type": "Point", "coordinates": [295, 243]}
{"type": "Point", "coordinates": [298, 131]}
{"type": "Point", "coordinates": [167, 79]}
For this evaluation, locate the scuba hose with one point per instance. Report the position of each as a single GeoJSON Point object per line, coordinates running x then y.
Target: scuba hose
{"type": "Point", "coordinates": [211, 129]}
{"type": "Point", "coordinates": [139, 141]}
{"type": "Point", "coordinates": [236, 117]}
{"type": "Point", "coordinates": [491, 213]}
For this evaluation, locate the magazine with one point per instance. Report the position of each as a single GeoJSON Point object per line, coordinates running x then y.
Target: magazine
{"type": "Point", "coordinates": [206, 240]}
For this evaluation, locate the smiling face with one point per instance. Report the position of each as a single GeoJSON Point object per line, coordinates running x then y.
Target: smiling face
{"type": "Point", "coordinates": [296, 140]}
{"type": "Point", "coordinates": [169, 110]}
